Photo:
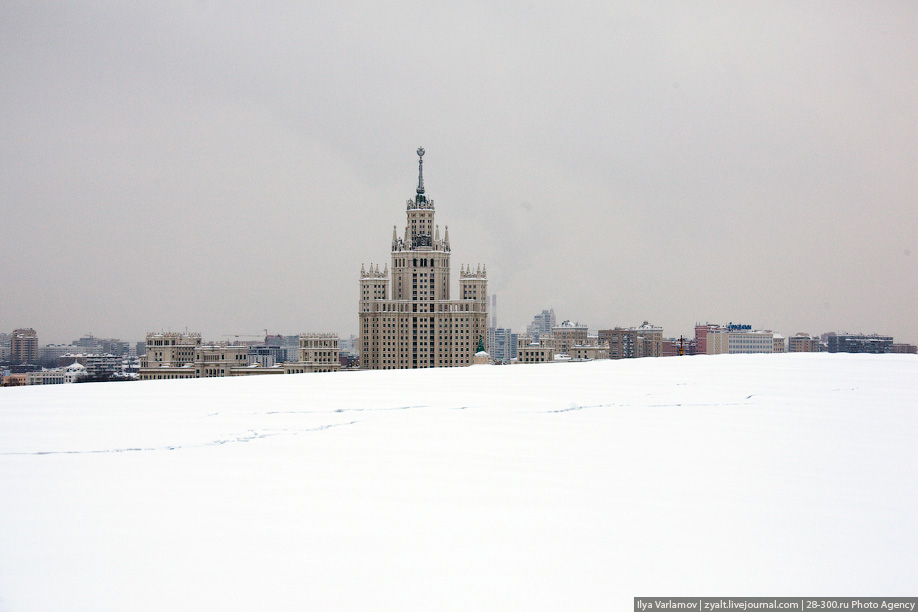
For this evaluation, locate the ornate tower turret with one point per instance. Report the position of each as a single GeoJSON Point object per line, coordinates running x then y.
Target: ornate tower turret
{"type": "Point", "coordinates": [420, 212]}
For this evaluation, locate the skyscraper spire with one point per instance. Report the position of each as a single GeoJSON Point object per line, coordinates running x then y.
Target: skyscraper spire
{"type": "Point", "coordinates": [421, 171]}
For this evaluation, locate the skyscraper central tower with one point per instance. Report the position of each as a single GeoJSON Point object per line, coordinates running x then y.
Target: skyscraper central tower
{"type": "Point", "coordinates": [408, 320]}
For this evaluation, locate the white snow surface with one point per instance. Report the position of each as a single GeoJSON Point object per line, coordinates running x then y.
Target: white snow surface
{"type": "Point", "coordinates": [543, 487]}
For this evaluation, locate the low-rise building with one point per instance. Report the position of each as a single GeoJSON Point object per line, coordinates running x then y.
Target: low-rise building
{"type": "Point", "coordinates": [780, 345]}
{"type": "Point", "coordinates": [218, 360]}
{"type": "Point", "coordinates": [169, 356]}
{"type": "Point", "coordinates": [701, 336]}
{"type": "Point", "coordinates": [318, 353]}
{"type": "Point", "coordinates": [802, 343]}
{"type": "Point", "coordinates": [176, 356]}
{"type": "Point", "coordinates": [169, 349]}
{"type": "Point", "coordinates": [735, 339]}
{"type": "Point", "coordinates": [646, 340]}
{"type": "Point", "coordinates": [51, 354]}
{"type": "Point", "coordinates": [739, 340]}
{"type": "Point", "coordinates": [588, 352]}
{"type": "Point", "coordinates": [620, 341]}
{"type": "Point", "coordinates": [17, 379]}
{"type": "Point", "coordinates": [676, 347]}
{"type": "Point", "coordinates": [103, 366]}
{"type": "Point", "coordinates": [267, 355]}
{"type": "Point", "coordinates": [568, 334]}
{"type": "Point", "coordinates": [649, 340]}
{"type": "Point", "coordinates": [535, 350]}
{"type": "Point", "coordinates": [55, 376]}
{"type": "Point", "coordinates": [859, 343]}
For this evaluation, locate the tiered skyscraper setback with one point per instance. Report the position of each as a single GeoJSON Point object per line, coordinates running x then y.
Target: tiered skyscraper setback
{"type": "Point", "coordinates": [407, 320]}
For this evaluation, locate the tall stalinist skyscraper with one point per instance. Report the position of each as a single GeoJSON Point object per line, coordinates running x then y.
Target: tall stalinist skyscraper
{"type": "Point", "coordinates": [413, 323]}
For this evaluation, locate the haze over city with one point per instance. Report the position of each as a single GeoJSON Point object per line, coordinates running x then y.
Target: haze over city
{"type": "Point", "coordinates": [227, 169]}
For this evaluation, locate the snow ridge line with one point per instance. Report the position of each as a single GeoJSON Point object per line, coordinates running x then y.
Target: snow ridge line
{"type": "Point", "coordinates": [675, 405]}
{"type": "Point", "coordinates": [576, 407]}
{"type": "Point", "coordinates": [337, 410]}
{"type": "Point", "coordinates": [247, 437]}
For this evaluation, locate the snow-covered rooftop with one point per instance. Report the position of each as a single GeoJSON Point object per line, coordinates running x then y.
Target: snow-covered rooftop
{"type": "Point", "coordinates": [538, 487]}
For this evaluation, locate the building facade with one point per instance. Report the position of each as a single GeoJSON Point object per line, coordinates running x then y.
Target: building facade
{"type": "Point", "coordinates": [780, 344]}
{"type": "Point", "coordinates": [219, 360]}
{"type": "Point", "coordinates": [317, 353]}
{"type": "Point", "coordinates": [736, 339]}
{"type": "Point", "coordinates": [54, 376]}
{"type": "Point", "coordinates": [588, 352]}
{"type": "Point", "coordinates": [502, 345]}
{"type": "Point", "coordinates": [645, 340]}
{"type": "Point", "coordinates": [802, 343]}
{"type": "Point", "coordinates": [701, 336]}
{"type": "Point", "coordinates": [173, 355]}
{"type": "Point", "coordinates": [169, 355]}
{"type": "Point", "coordinates": [24, 346]}
{"type": "Point", "coordinates": [568, 334]}
{"type": "Point", "coordinates": [407, 320]}
{"type": "Point", "coordinates": [4, 347]}
{"type": "Point", "coordinates": [859, 343]}
{"type": "Point", "coordinates": [677, 347]}
{"type": "Point", "coordinates": [535, 350]}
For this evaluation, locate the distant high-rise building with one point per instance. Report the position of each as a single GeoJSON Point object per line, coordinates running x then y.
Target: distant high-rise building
{"type": "Point", "coordinates": [413, 323]}
{"type": "Point", "coordinates": [87, 341]}
{"type": "Point", "coordinates": [4, 347]}
{"type": "Point", "coordinates": [114, 346]}
{"type": "Point", "coordinates": [542, 324]}
{"type": "Point", "coordinates": [50, 353]}
{"type": "Point", "coordinates": [492, 310]}
{"type": "Point", "coordinates": [502, 345]}
{"type": "Point", "coordinates": [24, 346]}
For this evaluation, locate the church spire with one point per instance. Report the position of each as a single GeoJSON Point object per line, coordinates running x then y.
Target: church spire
{"type": "Point", "coordinates": [420, 171]}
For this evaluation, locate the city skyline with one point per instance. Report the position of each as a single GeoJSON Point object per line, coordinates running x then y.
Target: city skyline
{"type": "Point", "coordinates": [225, 170]}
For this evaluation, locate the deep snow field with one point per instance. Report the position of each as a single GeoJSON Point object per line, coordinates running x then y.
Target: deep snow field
{"type": "Point", "coordinates": [544, 487]}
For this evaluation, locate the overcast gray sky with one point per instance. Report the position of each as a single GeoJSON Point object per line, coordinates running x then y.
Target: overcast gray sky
{"type": "Point", "coordinates": [227, 168]}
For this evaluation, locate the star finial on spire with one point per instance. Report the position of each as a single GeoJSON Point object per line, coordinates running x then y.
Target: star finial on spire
{"type": "Point", "coordinates": [421, 170]}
